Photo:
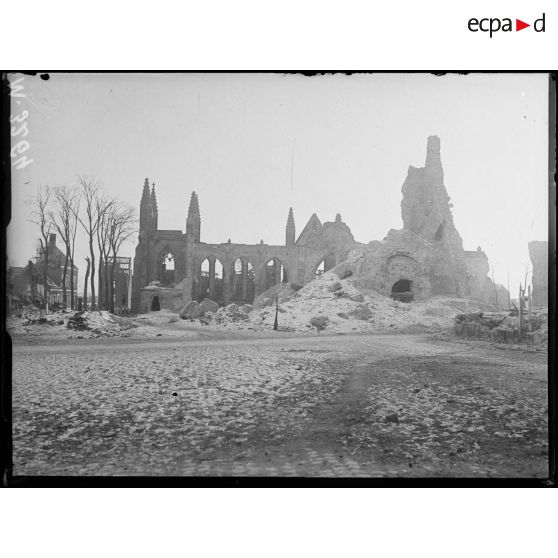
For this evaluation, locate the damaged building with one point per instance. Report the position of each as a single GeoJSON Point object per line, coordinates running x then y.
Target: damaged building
{"type": "Point", "coordinates": [28, 281]}
{"type": "Point", "coordinates": [538, 252]}
{"type": "Point", "coordinates": [426, 257]}
{"type": "Point", "coordinates": [423, 259]}
{"type": "Point", "coordinates": [172, 267]}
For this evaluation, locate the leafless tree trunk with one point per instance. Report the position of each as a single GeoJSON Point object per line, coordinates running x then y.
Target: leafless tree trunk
{"type": "Point", "coordinates": [74, 206]}
{"type": "Point", "coordinates": [85, 285]}
{"type": "Point", "coordinates": [63, 219]}
{"type": "Point", "coordinates": [64, 278]}
{"type": "Point", "coordinates": [95, 207]}
{"type": "Point", "coordinates": [40, 217]}
{"type": "Point", "coordinates": [122, 225]}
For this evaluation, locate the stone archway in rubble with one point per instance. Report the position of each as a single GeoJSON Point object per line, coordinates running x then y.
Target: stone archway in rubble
{"type": "Point", "coordinates": [402, 290]}
{"type": "Point", "coordinates": [155, 304]}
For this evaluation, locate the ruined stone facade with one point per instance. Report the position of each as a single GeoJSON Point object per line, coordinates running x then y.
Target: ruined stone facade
{"type": "Point", "coordinates": [426, 257]}
{"type": "Point", "coordinates": [172, 267]}
{"type": "Point", "coordinates": [423, 259]}
{"type": "Point", "coordinates": [538, 252]}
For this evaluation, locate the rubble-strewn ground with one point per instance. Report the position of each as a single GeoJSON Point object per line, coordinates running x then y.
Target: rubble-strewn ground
{"type": "Point", "coordinates": [326, 305]}
{"type": "Point", "coordinates": [343, 308]}
{"type": "Point", "coordinates": [320, 405]}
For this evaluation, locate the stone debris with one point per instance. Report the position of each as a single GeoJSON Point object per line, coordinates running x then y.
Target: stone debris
{"type": "Point", "coordinates": [101, 323]}
{"type": "Point", "coordinates": [282, 292]}
{"type": "Point", "coordinates": [68, 324]}
{"type": "Point", "coordinates": [208, 305]}
{"type": "Point", "coordinates": [502, 327]}
{"type": "Point", "coordinates": [319, 322]}
{"type": "Point", "coordinates": [190, 311]}
{"type": "Point", "coordinates": [348, 307]}
{"type": "Point", "coordinates": [232, 313]}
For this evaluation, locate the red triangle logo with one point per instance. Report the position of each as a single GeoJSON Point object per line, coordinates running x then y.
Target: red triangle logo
{"type": "Point", "coordinates": [519, 25]}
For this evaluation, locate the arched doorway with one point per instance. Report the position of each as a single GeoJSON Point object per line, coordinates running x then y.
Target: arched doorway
{"type": "Point", "coordinates": [155, 304]}
{"type": "Point", "coordinates": [402, 290]}
{"type": "Point", "coordinates": [275, 272]}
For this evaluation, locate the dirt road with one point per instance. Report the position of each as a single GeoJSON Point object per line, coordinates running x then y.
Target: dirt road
{"type": "Point", "coordinates": [343, 405]}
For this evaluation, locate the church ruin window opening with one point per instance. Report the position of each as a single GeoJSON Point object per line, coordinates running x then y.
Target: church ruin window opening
{"type": "Point", "coordinates": [243, 280]}
{"type": "Point", "coordinates": [275, 273]}
{"type": "Point", "coordinates": [402, 290]}
{"type": "Point", "coordinates": [325, 265]}
{"type": "Point", "coordinates": [210, 280]}
{"type": "Point", "coordinates": [155, 304]}
{"type": "Point", "coordinates": [166, 270]}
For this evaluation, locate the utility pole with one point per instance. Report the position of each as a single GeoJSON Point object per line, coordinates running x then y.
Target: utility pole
{"type": "Point", "coordinates": [276, 324]}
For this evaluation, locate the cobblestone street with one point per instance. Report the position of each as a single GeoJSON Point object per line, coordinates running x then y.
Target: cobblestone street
{"type": "Point", "coordinates": [332, 406]}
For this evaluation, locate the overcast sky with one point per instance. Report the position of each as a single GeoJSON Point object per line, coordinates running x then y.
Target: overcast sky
{"type": "Point", "coordinates": [231, 138]}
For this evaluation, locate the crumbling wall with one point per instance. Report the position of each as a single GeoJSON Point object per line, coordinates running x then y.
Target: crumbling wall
{"type": "Point", "coordinates": [538, 252]}
{"type": "Point", "coordinates": [403, 255]}
{"type": "Point", "coordinates": [426, 212]}
{"type": "Point", "coordinates": [477, 273]}
{"type": "Point", "coordinates": [167, 299]}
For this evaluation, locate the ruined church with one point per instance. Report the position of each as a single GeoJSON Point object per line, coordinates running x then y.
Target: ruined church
{"type": "Point", "coordinates": [423, 259]}
{"type": "Point", "coordinates": [172, 267]}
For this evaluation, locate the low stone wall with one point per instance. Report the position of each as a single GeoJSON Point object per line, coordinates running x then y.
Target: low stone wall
{"type": "Point", "coordinates": [168, 299]}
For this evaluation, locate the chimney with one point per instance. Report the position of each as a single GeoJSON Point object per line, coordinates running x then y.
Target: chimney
{"type": "Point", "coordinates": [52, 240]}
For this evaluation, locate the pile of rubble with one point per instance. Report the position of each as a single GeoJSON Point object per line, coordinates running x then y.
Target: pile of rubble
{"type": "Point", "coordinates": [63, 323]}
{"type": "Point", "coordinates": [502, 327]}
{"type": "Point", "coordinates": [331, 304]}
{"type": "Point", "coordinates": [100, 323]}
{"type": "Point", "coordinates": [282, 292]}
{"type": "Point", "coordinates": [194, 310]}
{"type": "Point", "coordinates": [208, 312]}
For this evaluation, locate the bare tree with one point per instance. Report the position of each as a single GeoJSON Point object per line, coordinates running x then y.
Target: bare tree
{"type": "Point", "coordinates": [41, 218]}
{"type": "Point", "coordinates": [74, 202]}
{"type": "Point", "coordinates": [61, 219]}
{"type": "Point", "coordinates": [88, 261]}
{"type": "Point", "coordinates": [122, 225]}
{"type": "Point", "coordinates": [103, 208]}
{"type": "Point", "coordinates": [95, 205]}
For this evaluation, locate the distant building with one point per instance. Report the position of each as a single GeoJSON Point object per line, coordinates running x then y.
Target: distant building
{"type": "Point", "coordinates": [122, 281]}
{"type": "Point", "coordinates": [28, 280]}
{"type": "Point", "coordinates": [538, 252]}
